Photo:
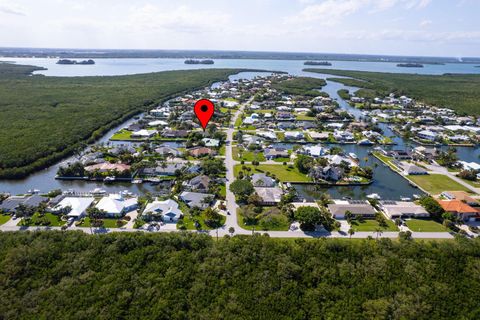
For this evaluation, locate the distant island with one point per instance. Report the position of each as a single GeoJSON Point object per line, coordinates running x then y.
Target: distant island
{"type": "Point", "coordinates": [192, 61]}
{"type": "Point", "coordinates": [317, 63]}
{"type": "Point", "coordinates": [68, 61]}
{"type": "Point", "coordinates": [410, 65]}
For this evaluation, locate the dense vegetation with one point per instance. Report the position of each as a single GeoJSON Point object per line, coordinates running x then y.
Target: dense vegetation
{"type": "Point", "coordinates": [43, 119]}
{"type": "Point", "coordinates": [457, 91]}
{"type": "Point", "coordinates": [304, 86]}
{"type": "Point", "coordinates": [190, 276]}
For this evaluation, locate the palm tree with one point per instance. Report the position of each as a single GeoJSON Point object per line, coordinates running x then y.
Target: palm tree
{"type": "Point", "coordinates": [351, 232]}
{"type": "Point", "coordinates": [378, 232]}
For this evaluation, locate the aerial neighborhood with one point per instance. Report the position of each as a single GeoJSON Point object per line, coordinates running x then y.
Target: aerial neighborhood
{"type": "Point", "coordinates": [275, 149]}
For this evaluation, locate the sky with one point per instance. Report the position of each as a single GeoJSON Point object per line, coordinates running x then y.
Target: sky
{"type": "Point", "coordinates": [392, 27]}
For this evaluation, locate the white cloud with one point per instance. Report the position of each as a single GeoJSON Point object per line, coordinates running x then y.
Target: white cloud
{"type": "Point", "coordinates": [425, 23]}
{"type": "Point", "coordinates": [330, 12]}
{"type": "Point", "coordinates": [7, 7]}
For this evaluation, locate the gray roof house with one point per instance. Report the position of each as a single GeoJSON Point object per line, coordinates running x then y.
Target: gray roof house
{"type": "Point", "coordinates": [262, 180]}
{"type": "Point", "coordinates": [195, 199]}
{"type": "Point", "coordinates": [199, 183]}
{"type": "Point", "coordinates": [356, 207]}
{"type": "Point", "coordinates": [270, 196]}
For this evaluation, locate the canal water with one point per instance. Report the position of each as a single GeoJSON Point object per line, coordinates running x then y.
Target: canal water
{"type": "Point", "coordinates": [386, 183]}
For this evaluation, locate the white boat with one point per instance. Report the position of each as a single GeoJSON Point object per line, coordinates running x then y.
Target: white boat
{"type": "Point", "coordinates": [405, 199]}
{"type": "Point", "coordinates": [98, 191]}
{"type": "Point", "coordinates": [374, 196]}
{"type": "Point", "coordinates": [416, 196]}
{"type": "Point", "coordinates": [353, 156]}
{"type": "Point", "coordinates": [137, 181]}
{"type": "Point", "coordinates": [109, 179]}
{"type": "Point", "coordinates": [365, 142]}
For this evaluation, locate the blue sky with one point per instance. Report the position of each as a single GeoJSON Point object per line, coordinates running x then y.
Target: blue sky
{"type": "Point", "coordinates": [396, 27]}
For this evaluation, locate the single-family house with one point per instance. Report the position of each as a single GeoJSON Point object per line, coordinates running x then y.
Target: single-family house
{"type": "Point", "coordinates": [167, 211]}
{"type": "Point", "coordinates": [262, 180]}
{"type": "Point", "coordinates": [270, 196]}
{"type": "Point", "coordinates": [199, 183]}
{"type": "Point", "coordinates": [195, 199]}
{"type": "Point", "coordinates": [403, 209]}
{"type": "Point", "coordinates": [355, 207]}
{"type": "Point", "coordinates": [115, 205]}
{"type": "Point", "coordinates": [78, 205]}
{"type": "Point", "coordinates": [274, 153]}
{"type": "Point", "coordinates": [460, 208]}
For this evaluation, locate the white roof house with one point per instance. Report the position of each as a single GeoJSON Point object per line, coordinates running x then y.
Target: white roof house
{"type": "Point", "coordinates": [144, 133]}
{"type": "Point", "coordinates": [167, 209]}
{"type": "Point", "coordinates": [115, 205]}
{"type": "Point", "coordinates": [314, 151]}
{"type": "Point", "coordinates": [211, 142]}
{"type": "Point", "coordinates": [79, 206]}
{"type": "Point", "coordinates": [469, 165]}
{"type": "Point", "coordinates": [294, 135]}
{"type": "Point", "coordinates": [397, 209]}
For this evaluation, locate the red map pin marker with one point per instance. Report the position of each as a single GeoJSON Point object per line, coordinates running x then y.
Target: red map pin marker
{"type": "Point", "coordinates": [204, 110]}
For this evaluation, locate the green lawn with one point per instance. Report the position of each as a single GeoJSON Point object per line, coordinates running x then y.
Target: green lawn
{"type": "Point", "coordinates": [4, 218]}
{"type": "Point", "coordinates": [386, 160]}
{"type": "Point", "coordinates": [372, 225]}
{"type": "Point", "coordinates": [425, 225]}
{"type": "Point", "coordinates": [107, 223]}
{"type": "Point", "coordinates": [280, 224]}
{"type": "Point", "coordinates": [475, 184]}
{"type": "Point", "coordinates": [48, 219]}
{"type": "Point", "coordinates": [302, 117]}
{"type": "Point", "coordinates": [247, 155]}
{"type": "Point", "coordinates": [283, 173]}
{"type": "Point", "coordinates": [239, 121]}
{"type": "Point", "coordinates": [122, 135]}
{"type": "Point", "coordinates": [281, 160]}
{"type": "Point", "coordinates": [437, 183]}
{"type": "Point", "coordinates": [221, 151]}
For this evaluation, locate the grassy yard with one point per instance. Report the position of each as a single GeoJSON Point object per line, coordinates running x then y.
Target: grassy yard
{"type": "Point", "coordinates": [247, 155]}
{"type": "Point", "coordinates": [475, 184]}
{"type": "Point", "coordinates": [48, 219]}
{"type": "Point", "coordinates": [303, 117]}
{"type": "Point", "coordinates": [239, 121]}
{"type": "Point", "coordinates": [4, 218]}
{"type": "Point", "coordinates": [122, 135]}
{"type": "Point", "coordinates": [280, 224]}
{"type": "Point", "coordinates": [372, 225]}
{"type": "Point", "coordinates": [386, 160]}
{"type": "Point", "coordinates": [281, 160]}
{"type": "Point", "coordinates": [425, 225]}
{"type": "Point", "coordinates": [107, 223]}
{"type": "Point", "coordinates": [437, 183]}
{"type": "Point", "coordinates": [283, 173]}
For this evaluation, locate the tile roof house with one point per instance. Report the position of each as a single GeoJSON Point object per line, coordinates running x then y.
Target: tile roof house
{"type": "Point", "coordinates": [463, 210]}
{"type": "Point", "coordinates": [201, 151]}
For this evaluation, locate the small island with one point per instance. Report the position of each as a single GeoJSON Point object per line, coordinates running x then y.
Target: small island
{"type": "Point", "coordinates": [192, 61]}
{"type": "Point", "coordinates": [410, 65]}
{"type": "Point", "coordinates": [83, 62]}
{"type": "Point", "coordinates": [317, 63]}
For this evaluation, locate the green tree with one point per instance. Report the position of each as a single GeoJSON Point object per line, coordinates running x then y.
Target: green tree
{"type": "Point", "coordinates": [242, 189]}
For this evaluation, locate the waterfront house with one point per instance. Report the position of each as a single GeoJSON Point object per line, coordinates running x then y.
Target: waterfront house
{"type": "Point", "coordinates": [108, 167]}
{"type": "Point", "coordinates": [78, 205]}
{"type": "Point", "coordinates": [270, 196]}
{"type": "Point", "coordinates": [461, 196]}
{"type": "Point", "coordinates": [427, 135]}
{"type": "Point", "coordinates": [168, 151]}
{"type": "Point", "coordinates": [262, 180]}
{"type": "Point", "coordinates": [144, 133]}
{"type": "Point", "coordinates": [115, 205]}
{"type": "Point", "coordinates": [294, 135]}
{"type": "Point", "coordinates": [273, 153]}
{"type": "Point", "coordinates": [412, 169]}
{"type": "Point", "coordinates": [356, 207]}
{"type": "Point", "coordinates": [313, 151]}
{"type": "Point", "coordinates": [175, 134]}
{"type": "Point", "coordinates": [402, 209]}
